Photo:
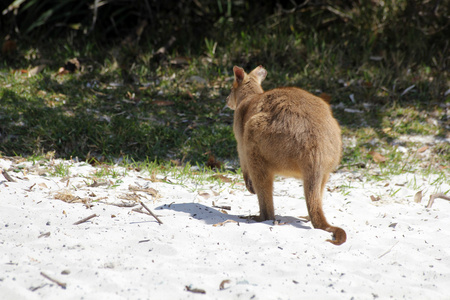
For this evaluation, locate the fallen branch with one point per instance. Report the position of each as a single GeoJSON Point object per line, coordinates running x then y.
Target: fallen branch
{"type": "Point", "coordinates": [85, 219]}
{"type": "Point", "coordinates": [47, 234]}
{"type": "Point", "coordinates": [123, 204]}
{"type": "Point", "coordinates": [6, 175]}
{"type": "Point", "coordinates": [195, 290]}
{"type": "Point", "coordinates": [227, 207]}
{"type": "Point", "coordinates": [438, 195]}
{"type": "Point", "coordinates": [225, 222]}
{"type": "Point", "coordinates": [222, 284]}
{"type": "Point", "coordinates": [388, 250]}
{"type": "Point", "coordinates": [150, 212]}
{"type": "Point", "coordinates": [61, 284]}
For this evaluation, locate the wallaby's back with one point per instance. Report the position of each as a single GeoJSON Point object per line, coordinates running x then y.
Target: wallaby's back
{"type": "Point", "coordinates": [290, 126]}
{"type": "Point", "coordinates": [285, 131]}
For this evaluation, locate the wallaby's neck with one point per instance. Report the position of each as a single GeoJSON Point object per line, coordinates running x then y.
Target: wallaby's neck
{"type": "Point", "coordinates": [247, 89]}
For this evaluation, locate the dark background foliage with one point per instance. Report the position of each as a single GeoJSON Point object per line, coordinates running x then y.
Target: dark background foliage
{"type": "Point", "coordinates": [391, 53]}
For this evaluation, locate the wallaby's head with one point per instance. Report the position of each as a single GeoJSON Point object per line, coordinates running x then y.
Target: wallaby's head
{"type": "Point", "coordinates": [245, 85]}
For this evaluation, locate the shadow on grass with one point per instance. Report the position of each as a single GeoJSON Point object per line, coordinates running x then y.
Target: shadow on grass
{"type": "Point", "coordinates": [102, 122]}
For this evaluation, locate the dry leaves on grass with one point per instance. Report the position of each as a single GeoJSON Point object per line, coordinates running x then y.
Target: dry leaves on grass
{"type": "Point", "coordinates": [163, 102]}
{"type": "Point", "coordinates": [377, 157]}
{"type": "Point", "coordinates": [222, 178]}
{"type": "Point", "coordinates": [423, 149]}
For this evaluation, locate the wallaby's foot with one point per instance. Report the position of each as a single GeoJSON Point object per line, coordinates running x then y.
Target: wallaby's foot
{"type": "Point", "coordinates": [339, 235]}
{"type": "Point", "coordinates": [254, 218]}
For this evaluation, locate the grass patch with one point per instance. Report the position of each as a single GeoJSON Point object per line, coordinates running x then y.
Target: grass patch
{"type": "Point", "coordinates": [125, 102]}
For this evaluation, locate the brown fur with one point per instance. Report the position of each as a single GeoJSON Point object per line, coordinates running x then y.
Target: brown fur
{"type": "Point", "coordinates": [289, 132]}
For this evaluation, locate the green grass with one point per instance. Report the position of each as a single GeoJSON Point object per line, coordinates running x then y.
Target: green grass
{"type": "Point", "coordinates": [125, 103]}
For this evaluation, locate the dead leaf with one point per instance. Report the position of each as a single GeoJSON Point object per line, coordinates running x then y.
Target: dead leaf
{"type": "Point", "coordinates": [221, 177]}
{"type": "Point", "coordinates": [423, 149]}
{"type": "Point", "coordinates": [36, 70]}
{"type": "Point", "coordinates": [418, 197]}
{"type": "Point", "coordinates": [333, 189]}
{"type": "Point", "coordinates": [377, 157]}
{"type": "Point", "coordinates": [179, 61]}
{"type": "Point", "coordinates": [386, 130]}
{"type": "Point", "coordinates": [43, 185]}
{"type": "Point", "coordinates": [204, 195]}
{"type": "Point", "coordinates": [163, 102]}
{"type": "Point", "coordinates": [374, 199]}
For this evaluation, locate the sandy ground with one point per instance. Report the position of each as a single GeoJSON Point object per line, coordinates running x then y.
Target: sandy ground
{"type": "Point", "coordinates": [396, 248]}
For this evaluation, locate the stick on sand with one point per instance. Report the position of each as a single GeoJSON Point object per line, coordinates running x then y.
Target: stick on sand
{"type": "Point", "coordinates": [85, 219]}
{"type": "Point", "coordinates": [6, 175]}
{"type": "Point", "coordinates": [150, 212]}
{"type": "Point", "coordinates": [438, 195]}
{"type": "Point", "coordinates": [61, 284]}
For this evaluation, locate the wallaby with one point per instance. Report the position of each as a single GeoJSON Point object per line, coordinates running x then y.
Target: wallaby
{"type": "Point", "coordinates": [285, 131]}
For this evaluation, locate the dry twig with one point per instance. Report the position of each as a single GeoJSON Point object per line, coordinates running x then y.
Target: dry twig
{"type": "Point", "coordinates": [151, 213]}
{"type": "Point", "coordinates": [225, 222]}
{"type": "Point", "coordinates": [222, 284]}
{"type": "Point", "coordinates": [438, 195]}
{"type": "Point", "coordinates": [85, 219]}
{"type": "Point", "coordinates": [6, 175]}
{"type": "Point", "coordinates": [47, 234]}
{"type": "Point", "coordinates": [388, 250]}
{"type": "Point", "coordinates": [194, 290]}
{"type": "Point", "coordinates": [61, 284]}
{"type": "Point", "coordinates": [227, 207]}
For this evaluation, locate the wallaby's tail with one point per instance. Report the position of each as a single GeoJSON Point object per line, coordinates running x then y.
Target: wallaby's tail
{"type": "Point", "coordinates": [314, 184]}
{"type": "Point", "coordinates": [339, 235]}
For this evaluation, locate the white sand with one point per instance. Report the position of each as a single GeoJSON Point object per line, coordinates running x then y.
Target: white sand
{"type": "Point", "coordinates": [396, 248]}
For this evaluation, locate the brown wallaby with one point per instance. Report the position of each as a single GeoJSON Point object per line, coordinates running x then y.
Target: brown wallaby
{"type": "Point", "coordinates": [285, 131]}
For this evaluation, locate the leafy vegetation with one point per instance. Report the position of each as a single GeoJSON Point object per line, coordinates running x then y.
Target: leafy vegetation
{"type": "Point", "coordinates": [147, 81]}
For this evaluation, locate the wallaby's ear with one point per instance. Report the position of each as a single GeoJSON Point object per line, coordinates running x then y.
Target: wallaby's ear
{"type": "Point", "coordinates": [239, 74]}
{"type": "Point", "coordinates": [260, 73]}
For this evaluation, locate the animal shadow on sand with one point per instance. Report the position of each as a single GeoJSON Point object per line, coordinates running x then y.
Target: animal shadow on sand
{"type": "Point", "coordinates": [211, 215]}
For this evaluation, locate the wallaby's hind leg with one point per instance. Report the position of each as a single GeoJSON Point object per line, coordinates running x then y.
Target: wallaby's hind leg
{"type": "Point", "coordinates": [248, 183]}
{"type": "Point", "coordinates": [262, 183]}
{"type": "Point", "coordinates": [314, 185]}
